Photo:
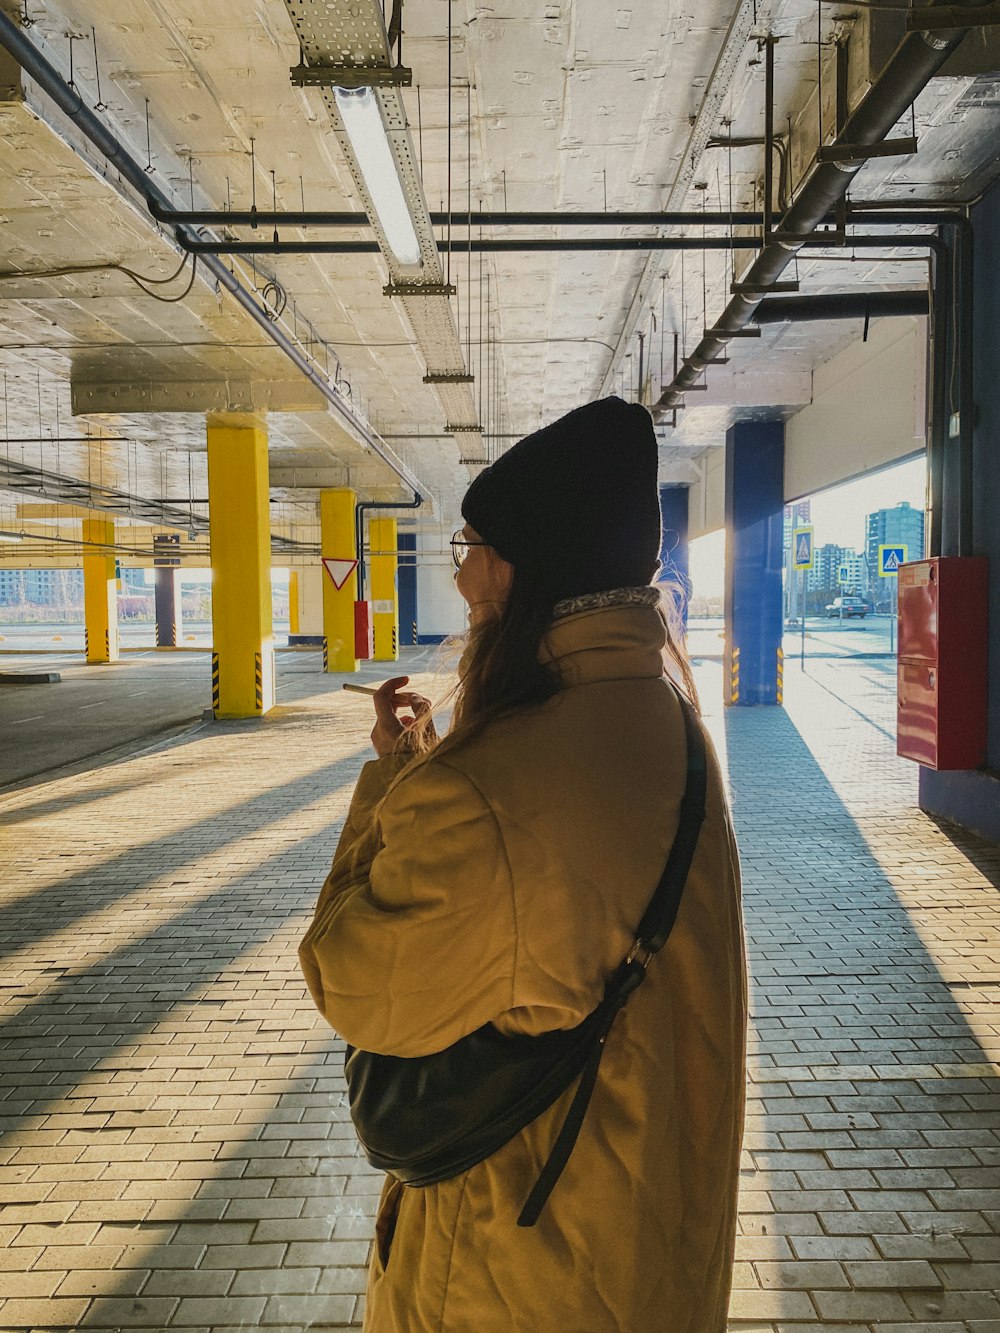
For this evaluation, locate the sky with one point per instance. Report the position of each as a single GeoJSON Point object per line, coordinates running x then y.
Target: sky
{"type": "Point", "coordinates": [838, 515]}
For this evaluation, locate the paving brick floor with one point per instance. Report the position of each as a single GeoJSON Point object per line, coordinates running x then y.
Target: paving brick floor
{"type": "Point", "coordinates": [174, 1146]}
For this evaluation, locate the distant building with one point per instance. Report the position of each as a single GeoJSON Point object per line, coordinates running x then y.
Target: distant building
{"type": "Point", "coordinates": [900, 526]}
{"type": "Point", "coordinates": [58, 588]}
{"type": "Point", "coordinates": [829, 560]}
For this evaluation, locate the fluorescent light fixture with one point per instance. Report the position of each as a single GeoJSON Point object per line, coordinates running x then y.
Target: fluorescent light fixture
{"type": "Point", "coordinates": [362, 118]}
{"type": "Point", "coordinates": [11, 537]}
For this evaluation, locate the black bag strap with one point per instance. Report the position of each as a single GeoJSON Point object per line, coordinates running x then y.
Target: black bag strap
{"type": "Point", "coordinates": [654, 930]}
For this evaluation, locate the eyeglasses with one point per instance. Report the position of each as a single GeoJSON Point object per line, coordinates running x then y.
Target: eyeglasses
{"type": "Point", "coordinates": [460, 545]}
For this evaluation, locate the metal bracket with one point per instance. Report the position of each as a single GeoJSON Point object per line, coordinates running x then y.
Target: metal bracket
{"type": "Point", "coordinates": [951, 16]}
{"type": "Point", "coordinates": [688, 388]}
{"type": "Point", "coordinates": [827, 237]}
{"type": "Point", "coordinates": [448, 377]}
{"type": "Point", "coordinates": [477, 462]}
{"type": "Point", "coordinates": [351, 76]}
{"type": "Point", "coordinates": [761, 288]}
{"type": "Point", "coordinates": [751, 332]}
{"type": "Point", "coordinates": [419, 289]}
{"type": "Point", "coordinates": [859, 152]}
{"type": "Point", "coordinates": [462, 430]}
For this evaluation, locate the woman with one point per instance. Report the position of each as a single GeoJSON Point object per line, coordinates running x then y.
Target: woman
{"type": "Point", "coordinates": [499, 876]}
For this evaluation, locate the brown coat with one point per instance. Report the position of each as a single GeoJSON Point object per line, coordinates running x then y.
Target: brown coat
{"type": "Point", "coordinates": [504, 883]}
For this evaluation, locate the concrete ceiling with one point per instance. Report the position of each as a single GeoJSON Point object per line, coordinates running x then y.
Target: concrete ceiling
{"type": "Point", "coordinates": [575, 105]}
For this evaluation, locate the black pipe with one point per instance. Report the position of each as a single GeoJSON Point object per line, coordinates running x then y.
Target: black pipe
{"type": "Point", "coordinates": [489, 218]}
{"type": "Point", "coordinates": [843, 305]}
{"type": "Point", "coordinates": [499, 245]}
{"type": "Point", "coordinates": [305, 218]}
{"type": "Point", "coordinates": [966, 400]}
{"type": "Point", "coordinates": [533, 245]}
{"type": "Point", "coordinates": [359, 528]}
{"type": "Point", "coordinates": [937, 427]}
{"type": "Point", "coordinates": [68, 100]}
{"type": "Point", "coordinates": [915, 61]}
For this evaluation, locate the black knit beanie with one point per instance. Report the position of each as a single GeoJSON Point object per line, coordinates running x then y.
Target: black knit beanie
{"type": "Point", "coordinates": [575, 505]}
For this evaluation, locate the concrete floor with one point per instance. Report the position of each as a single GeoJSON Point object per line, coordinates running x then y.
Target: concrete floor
{"type": "Point", "coordinates": [174, 1145]}
{"type": "Point", "coordinates": [95, 712]}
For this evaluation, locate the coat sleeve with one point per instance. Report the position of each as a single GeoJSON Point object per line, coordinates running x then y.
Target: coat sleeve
{"type": "Point", "coordinates": [413, 943]}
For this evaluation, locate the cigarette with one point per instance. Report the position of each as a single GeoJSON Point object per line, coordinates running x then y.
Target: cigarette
{"type": "Point", "coordinates": [360, 689]}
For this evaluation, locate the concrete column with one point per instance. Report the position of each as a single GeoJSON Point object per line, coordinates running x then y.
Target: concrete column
{"type": "Point", "coordinates": [240, 527]}
{"type": "Point", "coordinates": [100, 590]}
{"type": "Point", "coordinates": [674, 566]}
{"type": "Point", "coordinates": [293, 602]}
{"type": "Point", "coordinates": [385, 601]}
{"type": "Point", "coordinates": [406, 543]}
{"type": "Point", "coordinates": [755, 468]}
{"type": "Point", "coordinates": [339, 545]}
{"type": "Point", "coordinates": [167, 604]}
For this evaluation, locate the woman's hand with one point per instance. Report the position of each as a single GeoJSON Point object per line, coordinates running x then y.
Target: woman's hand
{"type": "Point", "coordinates": [389, 725]}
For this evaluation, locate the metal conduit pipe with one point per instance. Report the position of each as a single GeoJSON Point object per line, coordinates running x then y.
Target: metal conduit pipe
{"type": "Point", "coordinates": [914, 62]}
{"type": "Point", "coordinates": [841, 305]}
{"type": "Point", "coordinates": [318, 218]}
{"type": "Point", "coordinates": [68, 100]}
{"type": "Point", "coordinates": [359, 520]}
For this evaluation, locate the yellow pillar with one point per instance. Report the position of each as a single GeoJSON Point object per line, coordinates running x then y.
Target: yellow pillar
{"type": "Point", "coordinates": [338, 545]}
{"type": "Point", "coordinates": [293, 601]}
{"type": "Point", "coordinates": [385, 602]}
{"type": "Point", "coordinates": [100, 590]}
{"type": "Point", "coordinates": [240, 528]}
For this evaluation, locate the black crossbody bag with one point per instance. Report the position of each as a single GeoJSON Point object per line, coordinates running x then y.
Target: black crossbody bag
{"type": "Point", "coordinates": [428, 1118]}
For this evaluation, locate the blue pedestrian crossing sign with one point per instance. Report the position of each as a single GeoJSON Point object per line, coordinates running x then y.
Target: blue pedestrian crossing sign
{"type": "Point", "coordinates": [802, 548]}
{"type": "Point", "coordinates": [889, 560]}
{"type": "Point", "coordinates": [844, 575]}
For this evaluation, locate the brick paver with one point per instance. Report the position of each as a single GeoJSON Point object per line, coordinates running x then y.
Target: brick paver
{"type": "Point", "coordinates": [174, 1145]}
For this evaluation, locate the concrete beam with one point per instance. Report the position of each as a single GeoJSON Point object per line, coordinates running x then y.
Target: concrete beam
{"type": "Point", "coordinates": [678, 471]}
{"type": "Point", "coordinates": [308, 478]}
{"type": "Point", "coordinates": [755, 388]}
{"type": "Point", "coordinates": [201, 396]}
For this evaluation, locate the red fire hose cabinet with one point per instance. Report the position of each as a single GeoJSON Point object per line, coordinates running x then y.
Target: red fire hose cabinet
{"type": "Point", "coordinates": [943, 662]}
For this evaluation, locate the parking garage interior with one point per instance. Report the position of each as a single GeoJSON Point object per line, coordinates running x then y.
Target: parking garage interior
{"type": "Point", "coordinates": [278, 281]}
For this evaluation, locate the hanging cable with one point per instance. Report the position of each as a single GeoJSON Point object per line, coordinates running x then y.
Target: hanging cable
{"type": "Point", "coordinates": [140, 280]}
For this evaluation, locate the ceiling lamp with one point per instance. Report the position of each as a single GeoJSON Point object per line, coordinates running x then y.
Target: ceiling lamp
{"type": "Point", "coordinates": [11, 537]}
{"type": "Point", "coordinates": [362, 119]}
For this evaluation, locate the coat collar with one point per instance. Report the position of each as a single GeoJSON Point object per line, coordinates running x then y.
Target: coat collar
{"type": "Point", "coordinates": [618, 642]}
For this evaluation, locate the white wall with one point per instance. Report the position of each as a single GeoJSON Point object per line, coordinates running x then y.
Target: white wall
{"type": "Point", "coordinates": [707, 498]}
{"type": "Point", "coordinates": [867, 409]}
{"type": "Point", "coordinates": [311, 599]}
{"type": "Point", "coordinates": [440, 610]}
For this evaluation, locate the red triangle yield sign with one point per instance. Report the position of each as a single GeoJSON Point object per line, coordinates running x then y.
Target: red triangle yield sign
{"type": "Point", "coordinates": [339, 570]}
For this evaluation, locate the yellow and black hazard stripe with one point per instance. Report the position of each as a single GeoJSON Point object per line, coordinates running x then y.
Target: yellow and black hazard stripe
{"type": "Point", "coordinates": [86, 643]}
{"type": "Point", "coordinates": [258, 682]}
{"type": "Point", "coordinates": [326, 654]}
{"type": "Point", "coordinates": [216, 693]}
{"type": "Point", "coordinates": [781, 676]}
{"type": "Point", "coordinates": [734, 678]}
{"type": "Point", "coordinates": [395, 642]}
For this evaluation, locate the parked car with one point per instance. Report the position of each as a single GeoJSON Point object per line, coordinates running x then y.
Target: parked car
{"type": "Point", "coordinates": [846, 607]}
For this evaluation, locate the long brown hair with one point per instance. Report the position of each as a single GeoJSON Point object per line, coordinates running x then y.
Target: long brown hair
{"type": "Point", "coordinates": [501, 671]}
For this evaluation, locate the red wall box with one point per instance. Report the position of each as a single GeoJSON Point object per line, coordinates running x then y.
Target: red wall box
{"type": "Point", "coordinates": [364, 631]}
{"type": "Point", "coordinates": [942, 662]}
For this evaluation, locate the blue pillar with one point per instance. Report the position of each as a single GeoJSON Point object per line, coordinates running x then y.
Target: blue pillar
{"type": "Point", "coordinates": [755, 499]}
{"type": "Point", "coordinates": [406, 582]}
{"type": "Point", "coordinates": [674, 566]}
